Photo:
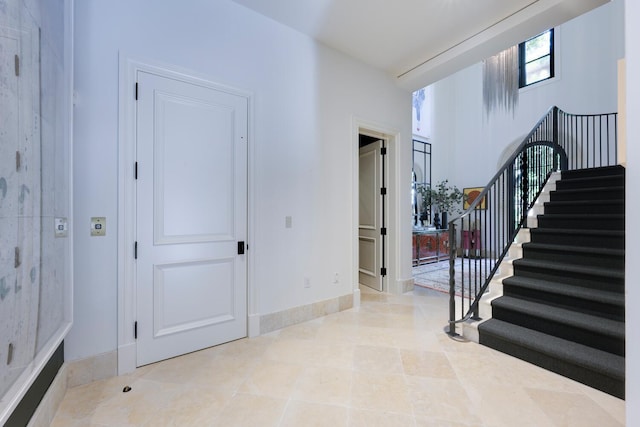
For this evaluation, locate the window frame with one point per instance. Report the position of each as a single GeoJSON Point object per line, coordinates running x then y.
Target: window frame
{"type": "Point", "coordinates": [522, 63]}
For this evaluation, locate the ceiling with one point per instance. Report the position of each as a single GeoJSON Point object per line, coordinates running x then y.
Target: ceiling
{"type": "Point", "coordinates": [420, 41]}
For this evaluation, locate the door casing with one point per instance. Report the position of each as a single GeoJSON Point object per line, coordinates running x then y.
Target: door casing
{"type": "Point", "coordinates": [392, 283]}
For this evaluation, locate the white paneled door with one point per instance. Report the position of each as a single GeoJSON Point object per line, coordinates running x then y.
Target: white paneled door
{"type": "Point", "coordinates": [191, 197]}
{"type": "Point", "coordinates": [370, 235]}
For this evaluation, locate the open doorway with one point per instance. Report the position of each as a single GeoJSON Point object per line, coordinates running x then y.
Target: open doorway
{"type": "Point", "coordinates": [372, 217]}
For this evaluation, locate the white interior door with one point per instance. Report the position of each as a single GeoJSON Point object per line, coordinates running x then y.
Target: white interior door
{"type": "Point", "coordinates": [370, 243]}
{"type": "Point", "coordinates": [191, 281]}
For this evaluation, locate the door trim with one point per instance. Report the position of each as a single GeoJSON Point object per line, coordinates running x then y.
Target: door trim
{"type": "Point", "coordinates": [129, 66]}
{"type": "Point", "coordinates": [391, 137]}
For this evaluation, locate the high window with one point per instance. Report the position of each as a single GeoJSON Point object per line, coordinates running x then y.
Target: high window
{"type": "Point", "coordinates": [536, 59]}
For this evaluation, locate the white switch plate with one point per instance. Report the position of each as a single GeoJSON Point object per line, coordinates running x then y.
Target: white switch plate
{"type": "Point", "coordinates": [98, 226]}
{"type": "Point", "coordinates": [61, 227]}
{"type": "Point", "coordinates": [287, 222]}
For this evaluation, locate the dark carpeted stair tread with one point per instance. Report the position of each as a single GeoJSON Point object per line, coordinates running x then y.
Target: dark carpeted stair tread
{"type": "Point", "coordinates": [559, 288]}
{"type": "Point", "coordinates": [613, 273]}
{"type": "Point", "coordinates": [582, 221]}
{"type": "Point", "coordinates": [599, 193]}
{"type": "Point", "coordinates": [590, 182]}
{"type": "Point", "coordinates": [593, 359]}
{"type": "Point", "coordinates": [594, 324]}
{"type": "Point", "coordinates": [574, 231]}
{"type": "Point", "coordinates": [582, 237]}
{"type": "Point", "coordinates": [580, 216]}
{"type": "Point", "coordinates": [599, 171]}
{"type": "Point", "coordinates": [577, 249]}
{"type": "Point", "coordinates": [581, 206]}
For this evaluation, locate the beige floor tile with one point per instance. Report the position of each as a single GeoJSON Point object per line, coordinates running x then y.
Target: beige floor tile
{"type": "Point", "coordinates": [441, 399]}
{"type": "Point", "coordinates": [271, 378]}
{"type": "Point", "coordinates": [426, 364]}
{"type": "Point", "coordinates": [304, 331]}
{"type": "Point", "coordinates": [246, 410]}
{"type": "Point", "coordinates": [377, 359]}
{"type": "Point", "coordinates": [308, 414]}
{"type": "Point", "coordinates": [365, 418]}
{"type": "Point", "coordinates": [387, 363]}
{"type": "Point", "coordinates": [324, 385]}
{"type": "Point", "coordinates": [422, 421]}
{"type": "Point", "coordinates": [504, 405]}
{"type": "Point", "coordinates": [614, 406]}
{"type": "Point", "coordinates": [571, 409]}
{"type": "Point", "coordinates": [382, 392]}
{"type": "Point", "coordinates": [247, 347]}
{"type": "Point", "coordinates": [224, 373]}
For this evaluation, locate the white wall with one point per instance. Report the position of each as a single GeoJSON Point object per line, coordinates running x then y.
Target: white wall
{"type": "Point", "coordinates": [587, 50]}
{"type": "Point", "coordinates": [632, 274]}
{"type": "Point", "coordinates": [305, 98]}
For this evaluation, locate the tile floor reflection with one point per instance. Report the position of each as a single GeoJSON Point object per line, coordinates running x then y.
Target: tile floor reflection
{"type": "Point", "coordinates": [387, 363]}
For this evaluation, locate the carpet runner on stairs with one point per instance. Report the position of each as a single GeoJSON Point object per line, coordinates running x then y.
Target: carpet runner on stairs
{"type": "Point", "coordinates": [563, 308]}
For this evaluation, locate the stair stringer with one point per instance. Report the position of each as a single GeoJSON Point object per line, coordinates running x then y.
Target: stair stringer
{"type": "Point", "coordinates": [505, 269]}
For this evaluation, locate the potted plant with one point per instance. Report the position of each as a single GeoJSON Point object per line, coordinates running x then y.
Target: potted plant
{"type": "Point", "coordinates": [441, 199]}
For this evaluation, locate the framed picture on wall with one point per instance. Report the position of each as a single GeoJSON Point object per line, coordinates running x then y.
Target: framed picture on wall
{"type": "Point", "coordinates": [471, 194]}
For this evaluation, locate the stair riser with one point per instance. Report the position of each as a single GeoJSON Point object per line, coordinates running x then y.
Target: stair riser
{"type": "Point", "coordinates": [602, 342]}
{"type": "Point", "coordinates": [594, 308]}
{"type": "Point", "coordinates": [586, 240]}
{"type": "Point", "coordinates": [597, 380]}
{"type": "Point", "coordinates": [599, 194]}
{"type": "Point", "coordinates": [575, 258]}
{"type": "Point", "coordinates": [599, 223]}
{"type": "Point", "coordinates": [580, 208]}
{"type": "Point", "coordinates": [571, 278]}
{"type": "Point", "coordinates": [574, 184]}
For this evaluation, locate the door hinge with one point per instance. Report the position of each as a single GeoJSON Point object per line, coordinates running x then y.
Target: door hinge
{"type": "Point", "coordinates": [10, 354]}
{"type": "Point", "coordinates": [17, 64]}
{"type": "Point", "coordinates": [135, 330]}
{"type": "Point", "coordinates": [135, 171]}
{"type": "Point", "coordinates": [383, 271]}
{"type": "Point", "coordinates": [16, 259]}
{"type": "Point", "coordinates": [241, 248]}
{"type": "Point", "coordinates": [136, 91]}
{"type": "Point", "coordinates": [383, 191]}
{"type": "Point", "coordinates": [135, 250]}
{"type": "Point", "coordinates": [383, 151]}
{"type": "Point", "coordinates": [18, 161]}
{"type": "Point", "coordinates": [383, 231]}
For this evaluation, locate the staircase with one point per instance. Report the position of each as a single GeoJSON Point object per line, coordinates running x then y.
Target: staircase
{"type": "Point", "coordinates": [563, 308]}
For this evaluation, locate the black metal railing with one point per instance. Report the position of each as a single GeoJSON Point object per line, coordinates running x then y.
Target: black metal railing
{"type": "Point", "coordinates": [483, 233]}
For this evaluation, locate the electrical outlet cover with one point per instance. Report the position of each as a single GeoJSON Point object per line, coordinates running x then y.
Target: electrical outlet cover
{"type": "Point", "coordinates": [61, 227]}
{"type": "Point", "coordinates": [98, 226]}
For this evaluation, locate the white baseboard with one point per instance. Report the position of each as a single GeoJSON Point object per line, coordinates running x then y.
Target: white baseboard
{"type": "Point", "coordinates": [126, 358]}
{"type": "Point", "coordinates": [94, 368]}
{"type": "Point", "coordinates": [254, 325]}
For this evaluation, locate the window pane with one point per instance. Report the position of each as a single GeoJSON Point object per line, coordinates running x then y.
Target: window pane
{"type": "Point", "coordinates": [537, 47]}
{"type": "Point", "coordinates": [537, 70]}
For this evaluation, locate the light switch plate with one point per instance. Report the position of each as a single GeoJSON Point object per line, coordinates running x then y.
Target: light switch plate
{"type": "Point", "coordinates": [98, 226]}
{"type": "Point", "coordinates": [61, 227]}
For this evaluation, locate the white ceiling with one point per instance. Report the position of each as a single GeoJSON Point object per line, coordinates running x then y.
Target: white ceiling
{"type": "Point", "coordinates": [420, 41]}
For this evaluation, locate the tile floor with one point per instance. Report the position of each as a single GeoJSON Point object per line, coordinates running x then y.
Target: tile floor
{"type": "Point", "coordinates": [387, 363]}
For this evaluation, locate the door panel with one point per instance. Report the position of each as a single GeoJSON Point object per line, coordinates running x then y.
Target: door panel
{"type": "Point", "coordinates": [191, 212]}
{"type": "Point", "coordinates": [370, 216]}
{"type": "Point", "coordinates": [193, 173]}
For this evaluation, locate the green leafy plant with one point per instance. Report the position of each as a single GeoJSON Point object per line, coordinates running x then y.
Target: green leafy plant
{"type": "Point", "coordinates": [442, 198]}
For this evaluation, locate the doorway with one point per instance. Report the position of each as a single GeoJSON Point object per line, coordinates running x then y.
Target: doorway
{"type": "Point", "coordinates": [372, 224]}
